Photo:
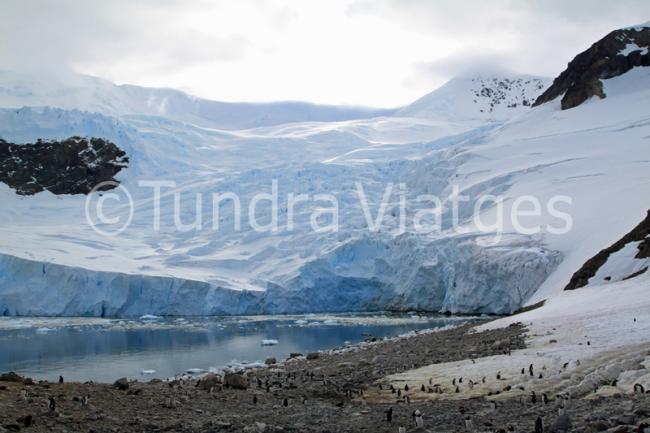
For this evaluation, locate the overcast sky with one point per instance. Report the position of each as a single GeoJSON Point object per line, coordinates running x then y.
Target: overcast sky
{"type": "Point", "coordinates": [378, 53]}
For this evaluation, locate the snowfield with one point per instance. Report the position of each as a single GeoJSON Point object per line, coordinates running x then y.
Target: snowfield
{"type": "Point", "coordinates": [52, 262]}
{"type": "Point", "coordinates": [586, 342]}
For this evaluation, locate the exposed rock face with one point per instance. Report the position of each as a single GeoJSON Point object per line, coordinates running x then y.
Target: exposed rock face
{"type": "Point", "coordinates": [72, 166]}
{"type": "Point", "coordinates": [505, 91]}
{"type": "Point", "coordinates": [613, 55]}
{"type": "Point", "coordinates": [639, 233]}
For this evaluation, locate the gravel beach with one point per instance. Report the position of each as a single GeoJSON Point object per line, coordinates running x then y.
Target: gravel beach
{"type": "Point", "coordinates": [338, 391]}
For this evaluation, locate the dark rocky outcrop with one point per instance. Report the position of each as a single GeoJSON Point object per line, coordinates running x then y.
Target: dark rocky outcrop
{"type": "Point", "coordinates": [604, 59]}
{"type": "Point", "coordinates": [639, 233]}
{"type": "Point", "coordinates": [72, 166]}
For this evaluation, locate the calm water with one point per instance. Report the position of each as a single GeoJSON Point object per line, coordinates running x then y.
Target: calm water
{"type": "Point", "coordinates": [104, 350]}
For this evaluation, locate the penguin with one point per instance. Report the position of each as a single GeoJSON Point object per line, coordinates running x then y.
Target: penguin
{"type": "Point", "coordinates": [419, 421]}
{"type": "Point", "coordinates": [471, 384]}
{"type": "Point", "coordinates": [523, 371]}
{"type": "Point", "coordinates": [483, 380]}
{"type": "Point", "coordinates": [533, 397]}
{"type": "Point", "coordinates": [60, 379]}
{"type": "Point", "coordinates": [254, 398]}
{"type": "Point", "coordinates": [545, 398]}
{"type": "Point", "coordinates": [566, 364]}
{"type": "Point", "coordinates": [614, 382]}
{"type": "Point", "coordinates": [389, 414]}
{"type": "Point", "coordinates": [530, 370]}
{"type": "Point", "coordinates": [453, 382]}
{"type": "Point", "coordinates": [23, 395]}
{"type": "Point", "coordinates": [541, 376]}
{"type": "Point", "coordinates": [457, 389]}
{"type": "Point", "coordinates": [381, 388]}
{"type": "Point", "coordinates": [539, 425]}
{"type": "Point", "coordinates": [498, 375]}
{"type": "Point", "coordinates": [285, 402]}
{"type": "Point", "coordinates": [51, 404]}
{"type": "Point", "coordinates": [460, 380]}
{"type": "Point", "coordinates": [27, 420]}
{"type": "Point", "coordinates": [399, 392]}
{"type": "Point", "coordinates": [422, 389]}
{"type": "Point", "coordinates": [469, 424]}
{"type": "Point", "coordinates": [430, 381]}
{"type": "Point", "coordinates": [639, 389]}
{"type": "Point", "coordinates": [493, 406]}
{"type": "Point", "coordinates": [588, 343]}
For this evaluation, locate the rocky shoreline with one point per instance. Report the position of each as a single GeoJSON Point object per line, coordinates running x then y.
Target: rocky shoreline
{"type": "Point", "coordinates": [339, 391]}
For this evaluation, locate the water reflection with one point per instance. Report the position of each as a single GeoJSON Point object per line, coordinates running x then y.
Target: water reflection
{"type": "Point", "coordinates": [104, 352]}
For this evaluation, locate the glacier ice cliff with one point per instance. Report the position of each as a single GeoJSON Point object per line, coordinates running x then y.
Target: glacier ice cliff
{"type": "Point", "coordinates": [364, 275]}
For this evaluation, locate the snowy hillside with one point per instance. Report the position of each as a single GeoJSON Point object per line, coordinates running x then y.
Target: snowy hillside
{"type": "Point", "coordinates": [52, 262]}
{"type": "Point", "coordinates": [96, 95]}
{"type": "Point", "coordinates": [487, 96]}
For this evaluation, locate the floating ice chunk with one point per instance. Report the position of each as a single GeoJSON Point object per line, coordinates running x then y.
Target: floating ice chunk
{"type": "Point", "coordinates": [149, 317]}
{"type": "Point", "coordinates": [269, 342]}
{"type": "Point", "coordinates": [44, 330]}
{"type": "Point", "coordinates": [196, 371]}
{"type": "Point", "coordinates": [330, 322]}
{"type": "Point", "coordinates": [301, 322]}
{"type": "Point", "coordinates": [244, 365]}
{"type": "Point", "coordinates": [144, 372]}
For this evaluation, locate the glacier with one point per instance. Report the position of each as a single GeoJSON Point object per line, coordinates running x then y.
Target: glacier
{"type": "Point", "coordinates": [52, 263]}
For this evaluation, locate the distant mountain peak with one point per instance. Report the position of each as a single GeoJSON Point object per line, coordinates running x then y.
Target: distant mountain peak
{"type": "Point", "coordinates": [487, 95]}
{"type": "Point", "coordinates": [613, 55]}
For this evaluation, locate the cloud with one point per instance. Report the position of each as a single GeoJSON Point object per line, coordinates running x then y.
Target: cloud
{"type": "Point", "coordinates": [375, 52]}
{"type": "Point", "coordinates": [465, 62]}
{"type": "Point", "coordinates": [67, 34]}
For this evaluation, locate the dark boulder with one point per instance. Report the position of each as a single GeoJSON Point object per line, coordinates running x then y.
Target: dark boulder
{"type": "Point", "coordinates": [235, 381]}
{"type": "Point", "coordinates": [11, 377]}
{"type": "Point", "coordinates": [210, 381]}
{"type": "Point", "coordinates": [122, 384]}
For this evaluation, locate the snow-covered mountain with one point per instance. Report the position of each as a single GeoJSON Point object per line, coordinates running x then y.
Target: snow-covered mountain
{"type": "Point", "coordinates": [92, 94]}
{"type": "Point", "coordinates": [53, 263]}
{"type": "Point", "coordinates": [486, 97]}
